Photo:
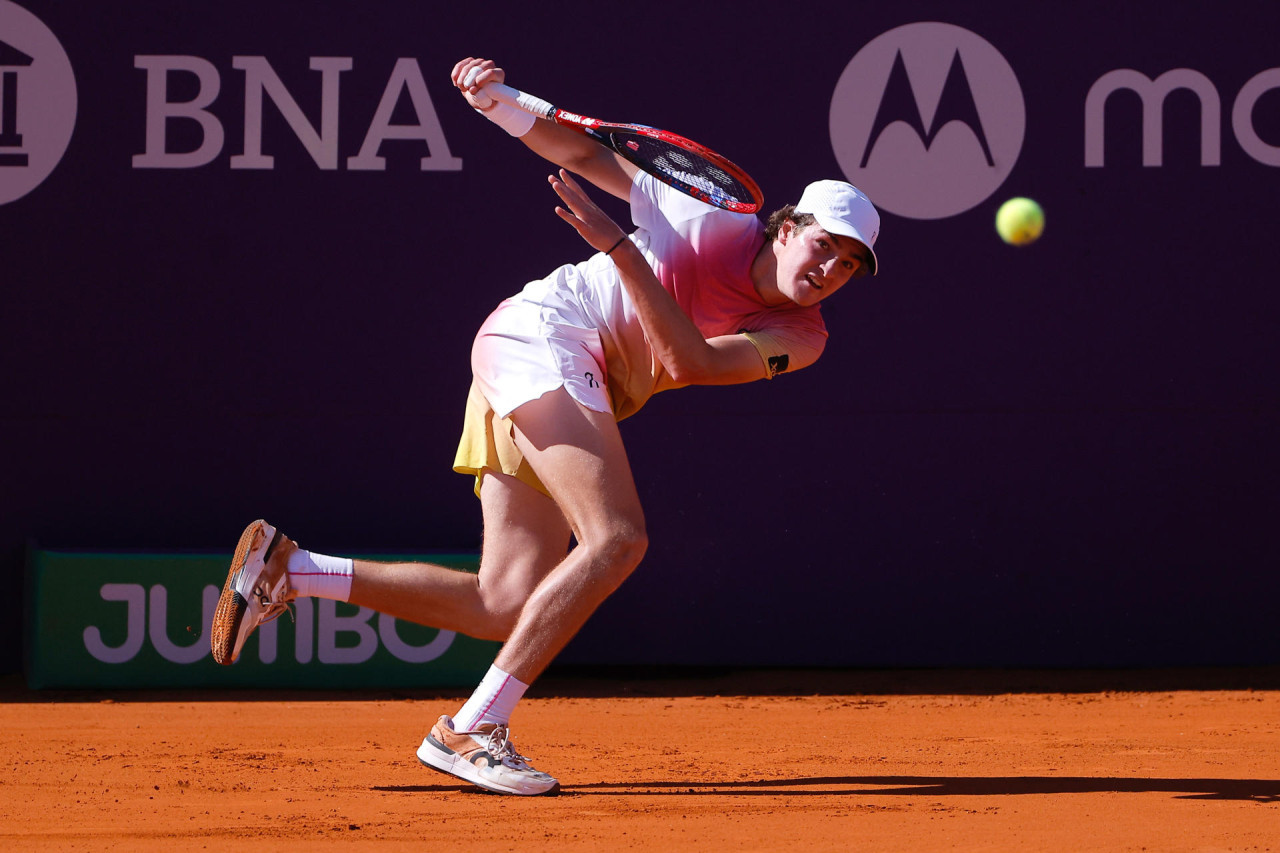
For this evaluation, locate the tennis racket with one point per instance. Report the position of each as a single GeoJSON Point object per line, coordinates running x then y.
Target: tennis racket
{"type": "Point", "coordinates": [681, 163]}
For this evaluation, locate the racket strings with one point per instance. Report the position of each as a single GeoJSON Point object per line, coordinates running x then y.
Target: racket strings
{"type": "Point", "coordinates": [684, 166]}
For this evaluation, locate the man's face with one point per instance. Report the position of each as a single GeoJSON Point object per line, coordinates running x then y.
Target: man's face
{"type": "Point", "coordinates": [813, 263]}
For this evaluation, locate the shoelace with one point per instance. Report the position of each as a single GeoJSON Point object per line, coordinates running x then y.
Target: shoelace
{"type": "Point", "coordinates": [275, 611]}
{"type": "Point", "coordinates": [501, 747]}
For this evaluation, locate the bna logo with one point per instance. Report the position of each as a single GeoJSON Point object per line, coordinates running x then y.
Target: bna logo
{"type": "Point", "coordinates": [37, 102]}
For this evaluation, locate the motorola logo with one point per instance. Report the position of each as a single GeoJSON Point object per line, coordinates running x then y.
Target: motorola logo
{"type": "Point", "coordinates": [928, 119]}
{"type": "Point", "coordinates": [37, 102]}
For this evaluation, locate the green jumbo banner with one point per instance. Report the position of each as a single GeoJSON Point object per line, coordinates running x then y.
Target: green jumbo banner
{"type": "Point", "coordinates": [143, 620]}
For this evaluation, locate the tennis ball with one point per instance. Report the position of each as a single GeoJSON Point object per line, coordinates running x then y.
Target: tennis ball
{"type": "Point", "coordinates": [1019, 221]}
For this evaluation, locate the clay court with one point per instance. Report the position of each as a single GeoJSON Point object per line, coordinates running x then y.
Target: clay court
{"type": "Point", "coordinates": [1168, 761]}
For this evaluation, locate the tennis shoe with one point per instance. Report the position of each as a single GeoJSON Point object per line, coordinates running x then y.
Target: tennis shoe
{"type": "Point", "coordinates": [257, 589]}
{"type": "Point", "coordinates": [485, 757]}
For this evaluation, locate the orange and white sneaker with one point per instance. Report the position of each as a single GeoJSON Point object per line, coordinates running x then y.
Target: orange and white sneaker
{"type": "Point", "coordinates": [484, 757]}
{"type": "Point", "coordinates": [257, 589]}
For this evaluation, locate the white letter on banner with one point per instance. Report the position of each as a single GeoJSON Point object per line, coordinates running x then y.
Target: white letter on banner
{"type": "Point", "coordinates": [304, 630]}
{"type": "Point", "coordinates": [134, 596]}
{"type": "Point", "coordinates": [1242, 117]}
{"type": "Point", "coordinates": [160, 109]}
{"type": "Point", "coordinates": [331, 624]}
{"type": "Point", "coordinates": [406, 75]}
{"type": "Point", "coordinates": [409, 653]}
{"type": "Point", "coordinates": [1153, 94]}
{"type": "Point", "coordinates": [260, 77]}
{"type": "Point", "coordinates": [157, 626]}
{"type": "Point", "coordinates": [268, 637]}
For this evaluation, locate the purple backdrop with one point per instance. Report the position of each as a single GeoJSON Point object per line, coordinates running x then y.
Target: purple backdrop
{"type": "Point", "coordinates": [1057, 455]}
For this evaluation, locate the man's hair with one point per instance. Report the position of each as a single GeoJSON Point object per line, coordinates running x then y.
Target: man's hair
{"type": "Point", "coordinates": [781, 215]}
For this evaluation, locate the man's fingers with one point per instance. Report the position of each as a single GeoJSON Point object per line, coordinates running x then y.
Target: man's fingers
{"type": "Point", "coordinates": [566, 190]}
{"type": "Point", "coordinates": [569, 190]}
{"type": "Point", "coordinates": [591, 223]}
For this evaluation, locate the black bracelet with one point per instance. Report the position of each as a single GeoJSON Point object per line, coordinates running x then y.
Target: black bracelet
{"type": "Point", "coordinates": [616, 245]}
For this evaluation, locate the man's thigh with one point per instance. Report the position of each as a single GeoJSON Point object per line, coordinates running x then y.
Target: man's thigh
{"type": "Point", "coordinates": [578, 455]}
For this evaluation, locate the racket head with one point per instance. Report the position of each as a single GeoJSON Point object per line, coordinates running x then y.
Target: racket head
{"type": "Point", "coordinates": [683, 164]}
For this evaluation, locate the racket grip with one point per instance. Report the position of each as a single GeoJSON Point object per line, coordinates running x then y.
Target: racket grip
{"type": "Point", "coordinates": [507, 95]}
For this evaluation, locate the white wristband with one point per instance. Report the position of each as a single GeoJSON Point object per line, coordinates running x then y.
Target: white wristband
{"type": "Point", "coordinates": [513, 120]}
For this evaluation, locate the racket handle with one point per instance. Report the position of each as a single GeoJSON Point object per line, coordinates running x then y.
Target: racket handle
{"type": "Point", "coordinates": [507, 95]}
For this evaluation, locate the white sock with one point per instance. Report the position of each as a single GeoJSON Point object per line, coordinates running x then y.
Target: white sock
{"type": "Point", "coordinates": [318, 575]}
{"type": "Point", "coordinates": [493, 701]}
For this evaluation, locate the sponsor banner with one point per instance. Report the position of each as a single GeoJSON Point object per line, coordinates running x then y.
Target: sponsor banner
{"type": "Point", "coordinates": [143, 620]}
{"type": "Point", "coordinates": [236, 250]}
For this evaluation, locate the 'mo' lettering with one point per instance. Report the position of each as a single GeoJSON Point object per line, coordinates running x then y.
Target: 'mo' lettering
{"type": "Point", "coordinates": [1153, 94]}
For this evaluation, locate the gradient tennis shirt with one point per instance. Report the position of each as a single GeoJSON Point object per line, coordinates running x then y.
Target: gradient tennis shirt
{"type": "Point", "coordinates": [703, 256]}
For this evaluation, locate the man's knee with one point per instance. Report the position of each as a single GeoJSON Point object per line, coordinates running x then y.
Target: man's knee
{"type": "Point", "coordinates": [504, 591]}
{"type": "Point", "coordinates": [618, 551]}
{"type": "Point", "coordinates": [500, 624]}
{"type": "Point", "coordinates": [632, 546]}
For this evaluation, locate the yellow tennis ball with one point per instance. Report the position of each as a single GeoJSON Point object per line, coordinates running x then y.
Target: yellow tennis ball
{"type": "Point", "coordinates": [1019, 221]}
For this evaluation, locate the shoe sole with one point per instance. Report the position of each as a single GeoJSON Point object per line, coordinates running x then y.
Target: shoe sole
{"type": "Point", "coordinates": [231, 604]}
{"type": "Point", "coordinates": [433, 756]}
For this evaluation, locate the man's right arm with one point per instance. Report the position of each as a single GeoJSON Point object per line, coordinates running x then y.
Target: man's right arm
{"type": "Point", "coordinates": [561, 145]}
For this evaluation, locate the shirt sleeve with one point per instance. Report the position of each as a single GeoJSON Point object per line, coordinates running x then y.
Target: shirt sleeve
{"type": "Point", "coordinates": [652, 202]}
{"type": "Point", "coordinates": [787, 348]}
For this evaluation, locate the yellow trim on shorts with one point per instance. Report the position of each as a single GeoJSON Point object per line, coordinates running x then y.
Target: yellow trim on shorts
{"type": "Point", "coordinates": [487, 445]}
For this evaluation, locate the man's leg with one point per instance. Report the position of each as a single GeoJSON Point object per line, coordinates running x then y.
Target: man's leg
{"type": "Point", "coordinates": [579, 456]}
{"type": "Point", "coordinates": [525, 537]}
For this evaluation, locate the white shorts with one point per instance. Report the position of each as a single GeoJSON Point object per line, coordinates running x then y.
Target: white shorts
{"type": "Point", "coordinates": [526, 349]}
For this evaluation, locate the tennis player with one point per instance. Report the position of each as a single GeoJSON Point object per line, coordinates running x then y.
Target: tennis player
{"type": "Point", "coordinates": [695, 295]}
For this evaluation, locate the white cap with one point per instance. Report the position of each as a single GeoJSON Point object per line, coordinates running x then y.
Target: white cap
{"type": "Point", "coordinates": [843, 209]}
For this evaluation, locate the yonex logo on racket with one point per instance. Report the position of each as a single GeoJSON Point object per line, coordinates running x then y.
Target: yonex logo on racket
{"type": "Point", "coordinates": [583, 120]}
{"type": "Point", "coordinates": [928, 119]}
{"type": "Point", "coordinates": [37, 101]}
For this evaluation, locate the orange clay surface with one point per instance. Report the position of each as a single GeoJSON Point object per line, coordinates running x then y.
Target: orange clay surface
{"type": "Point", "coordinates": [916, 761]}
